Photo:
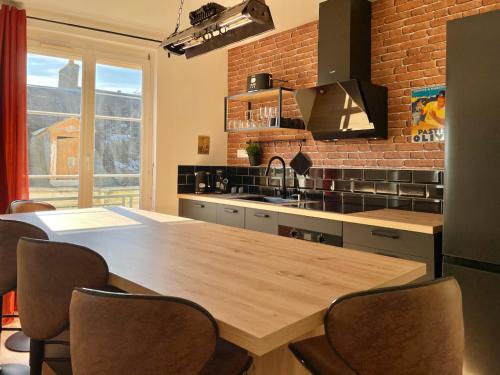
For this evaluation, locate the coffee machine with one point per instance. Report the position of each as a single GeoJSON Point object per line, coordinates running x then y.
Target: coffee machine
{"type": "Point", "coordinates": [221, 182]}
{"type": "Point", "coordinates": [202, 182]}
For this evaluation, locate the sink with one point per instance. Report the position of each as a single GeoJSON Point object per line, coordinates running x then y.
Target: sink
{"type": "Point", "coordinates": [273, 200]}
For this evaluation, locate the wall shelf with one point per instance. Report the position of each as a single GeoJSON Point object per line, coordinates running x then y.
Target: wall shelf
{"type": "Point", "coordinates": [268, 94]}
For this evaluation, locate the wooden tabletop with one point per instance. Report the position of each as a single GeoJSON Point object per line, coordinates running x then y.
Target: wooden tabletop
{"type": "Point", "coordinates": [264, 290]}
{"type": "Point", "coordinates": [421, 222]}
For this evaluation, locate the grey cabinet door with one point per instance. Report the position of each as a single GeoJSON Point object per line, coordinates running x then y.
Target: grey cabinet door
{"type": "Point", "coordinates": [232, 216]}
{"type": "Point", "coordinates": [261, 220]}
{"type": "Point", "coordinates": [197, 210]}
{"type": "Point", "coordinates": [398, 241]}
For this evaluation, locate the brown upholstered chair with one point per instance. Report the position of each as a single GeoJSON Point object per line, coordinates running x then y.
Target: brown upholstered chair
{"type": "Point", "coordinates": [116, 334]}
{"type": "Point", "coordinates": [47, 273]}
{"type": "Point", "coordinates": [10, 233]}
{"type": "Point", "coordinates": [19, 342]}
{"type": "Point", "coordinates": [23, 206]}
{"type": "Point", "coordinates": [412, 329]}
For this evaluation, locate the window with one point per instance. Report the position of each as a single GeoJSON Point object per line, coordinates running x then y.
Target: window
{"type": "Point", "coordinates": [86, 141]}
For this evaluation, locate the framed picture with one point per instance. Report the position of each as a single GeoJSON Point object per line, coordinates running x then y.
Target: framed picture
{"type": "Point", "coordinates": [428, 107]}
{"type": "Point", "coordinates": [203, 145]}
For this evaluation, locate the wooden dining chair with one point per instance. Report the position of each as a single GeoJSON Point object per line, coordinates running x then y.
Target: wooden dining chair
{"type": "Point", "coordinates": [154, 335]}
{"type": "Point", "coordinates": [19, 342]}
{"type": "Point", "coordinates": [10, 233]}
{"type": "Point", "coordinates": [23, 206]}
{"type": "Point", "coordinates": [412, 329]}
{"type": "Point", "coordinates": [47, 273]}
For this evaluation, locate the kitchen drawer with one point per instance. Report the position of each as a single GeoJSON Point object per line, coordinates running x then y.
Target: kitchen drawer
{"type": "Point", "coordinates": [311, 223]}
{"type": "Point", "coordinates": [199, 210]}
{"type": "Point", "coordinates": [397, 241]}
{"type": "Point", "coordinates": [232, 216]}
{"type": "Point", "coordinates": [430, 273]}
{"type": "Point", "coordinates": [261, 220]}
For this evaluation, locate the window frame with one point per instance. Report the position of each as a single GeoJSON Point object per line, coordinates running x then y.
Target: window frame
{"type": "Point", "coordinates": [92, 52]}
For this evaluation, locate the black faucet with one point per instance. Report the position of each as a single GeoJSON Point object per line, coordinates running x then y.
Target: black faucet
{"type": "Point", "coordinates": [283, 181]}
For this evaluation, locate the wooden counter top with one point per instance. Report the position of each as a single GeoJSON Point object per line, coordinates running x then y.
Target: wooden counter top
{"type": "Point", "coordinates": [420, 222]}
{"type": "Point", "coordinates": [263, 290]}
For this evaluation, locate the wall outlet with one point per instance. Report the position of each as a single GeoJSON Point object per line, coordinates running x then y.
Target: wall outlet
{"type": "Point", "coordinates": [242, 153]}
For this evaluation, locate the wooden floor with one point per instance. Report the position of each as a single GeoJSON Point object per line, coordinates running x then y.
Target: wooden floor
{"type": "Point", "coordinates": [7, 356]}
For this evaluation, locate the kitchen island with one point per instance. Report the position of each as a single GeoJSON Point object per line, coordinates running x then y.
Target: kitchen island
{"type": "Point", "coordinates": [264, 291]}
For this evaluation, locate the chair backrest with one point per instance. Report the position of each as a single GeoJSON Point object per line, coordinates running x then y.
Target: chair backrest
{"type": "Point", "coordinates": [10, 233]}
{"type": "Point", "coordinates": [47, 273]}
{"type": "Point", "coordinates": [22, 206]}
{"type": "Point", "coordinates": [411, 329]}
{"type": "Point", "coordinates": [116, 334]}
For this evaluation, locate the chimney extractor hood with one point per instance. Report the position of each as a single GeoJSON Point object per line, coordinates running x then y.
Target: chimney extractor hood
{"type": "Point", "coordinates": [224, 27]}
{"type": "Point", "coordinates": [345, 104]}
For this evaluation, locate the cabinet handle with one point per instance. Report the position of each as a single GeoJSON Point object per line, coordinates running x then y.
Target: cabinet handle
{"type": "Point", "coordinates": [230, 211]}
{"type": "Point", "coordinates": [199, 205]}
{"type": "Point", "coordinates": [261, 215]}
{"type": "Point", "coordinates": [385, 234]}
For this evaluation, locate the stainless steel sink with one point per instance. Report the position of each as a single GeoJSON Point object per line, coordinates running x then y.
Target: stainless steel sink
{"type": "Point", "coordinates": [272, 200]}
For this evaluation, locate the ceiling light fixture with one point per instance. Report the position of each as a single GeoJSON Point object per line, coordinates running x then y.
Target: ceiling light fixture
{"type": "Point", "coordinates": [214, 26]}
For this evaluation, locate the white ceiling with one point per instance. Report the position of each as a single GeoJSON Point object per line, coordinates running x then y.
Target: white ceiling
{"type": "Point", "coordinates": [155, 18]}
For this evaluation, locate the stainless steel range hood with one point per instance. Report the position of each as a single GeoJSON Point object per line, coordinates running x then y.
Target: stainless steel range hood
{"type": "Point", "coordinates": [345, 104]}
{"type": "Point", "coordinates": [247, 19]}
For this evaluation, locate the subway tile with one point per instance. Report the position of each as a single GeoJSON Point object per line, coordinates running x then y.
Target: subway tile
{"type": "Point", "coordinates": [242, 171]}
{"type": "Point", "coordinates": [253, 189]}
{"type": "Point", "coordinates": [435, 191]}
{"type": "Point", "coordinates": [375, 174]}
{"type": "Point", "coordinates": [398, 176]}
{"type": "Point", "coordinates": [305, 183]}
{"type": "Point", "coordinates": [363, 187]}
{"type": "Point", "coordinates": [432, 206]}
{"type": "Point", "coordinates": [399, 203]}
{"type": "Point", "coordinates": [272, 181]}
{"type": "Point", "coordinates": [231, 171]}
{"type": "Point", "coordinates": [190, 180]}
{"type": "Point", "coordinates": [262, 181]}
{"type": "Point", "coordinates": [256, 171]}
{"type": "Point", "coordinates": [412, 190]}
{"type": "Point", "coordinates": [205, 168]}
{"type": "Point", "coordinates": [353, 174]}
{"type": "Point", "coordinates": [247, 180]}
{"type": "Point", "coordinates": [426, 177]}
{"type": "Point", "coordinates": [316, 173]}
{"type": "Point", "coordinates": [185, 169]}
{"type": "Point", "coordinates": [339, 185]}
{"type": "Point", "coordinates": [235, 180]}
{"type": "Point", "coordinates": [181, 179]}
{"type": "Point", "coordinates": [374, 202]}
{"type": "Point", "coordinates": [352, 203]}
{"type": "Point", "coordinates": [185, 189]}
{"type": "Point", "coordinates": [290, 182]}
{"type": "Point", "coordinates": [323, 184]}
{"type": "Point", "coordinates": [390, 188]}
{"type": "Point", "coordinates": [333, 201]}
{"type": "Point", "coordinates": [270, 191]}
{"type": "Point", "coordinates": [333, 174]}
{"type": "Point", "coordinates": [314, 195]}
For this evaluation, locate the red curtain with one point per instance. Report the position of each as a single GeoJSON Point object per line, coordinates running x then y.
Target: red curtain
{"type": "Point", "coordinates": [13, 132]}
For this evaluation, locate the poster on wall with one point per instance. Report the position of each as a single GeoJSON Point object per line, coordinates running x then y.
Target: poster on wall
{"type": "Point", "coordinates": [428, 106]}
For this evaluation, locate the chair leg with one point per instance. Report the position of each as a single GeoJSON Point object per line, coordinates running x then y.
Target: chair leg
{"type": "Point", "coordinates": [36, 357]}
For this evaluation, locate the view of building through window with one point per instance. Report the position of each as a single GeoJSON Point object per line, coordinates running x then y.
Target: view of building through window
{"type": "Point", "coordinates": [54, 131]}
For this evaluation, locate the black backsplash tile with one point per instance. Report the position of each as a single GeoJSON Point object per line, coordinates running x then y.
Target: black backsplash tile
{"type": "Point", "coordinates": [390, 188]}
{"type": "Point", "coordinates": [355, 189]}
{"type": "Point", "coordinates": [426, 177]}
{"type": "Point", "coordinates": [353, 174]}
{"type": "Point", "coordinates": [400, 203]}
{"type": "Point", "coordinates": [375, 175]}
{"type": "Point", "coordinates": [432, 206]}
{"type": "Point", "coordinates": [316, 173]}
{"type": "Point", "coordinates": [363, 187]}
{"type": "Point", "coordinates": [399, 176]}
{"type": "Point", "coordinates": [333, 174]}
{"type": "Point", "coordinates": [435, 191]}
{"type": "Point", "coordinates": [412, 190]}
{"type": "Point", "coordinates": [340, 185]}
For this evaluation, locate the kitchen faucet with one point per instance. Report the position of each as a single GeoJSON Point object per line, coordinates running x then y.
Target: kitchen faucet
{"type": "Point", "coordinates": [283, 180]}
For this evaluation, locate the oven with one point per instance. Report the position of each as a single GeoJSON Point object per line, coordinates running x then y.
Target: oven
{"type": "Point", "coordinates": [309, 235]}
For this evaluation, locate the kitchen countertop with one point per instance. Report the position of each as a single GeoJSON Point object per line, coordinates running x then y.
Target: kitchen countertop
{"type": "Point", "coordinates": [419, 222]}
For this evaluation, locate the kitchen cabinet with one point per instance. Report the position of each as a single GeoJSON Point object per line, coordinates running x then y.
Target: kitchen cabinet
{"type": "Point", "coordinates": [396, 243]}
{"type": "Point", "coordinates": [232, 216]}
{"type": "Point", "coordinates": [203, 211]}
{"type": "Point", "coordinates": [261, 220]}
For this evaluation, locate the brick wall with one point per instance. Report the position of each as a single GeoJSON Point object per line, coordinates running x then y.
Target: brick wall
{"type": "Point", "coordinates": [408, 51]}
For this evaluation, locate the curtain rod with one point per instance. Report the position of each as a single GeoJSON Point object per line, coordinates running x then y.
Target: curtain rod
{"type": "Point", "coordinates": [94, 29]}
